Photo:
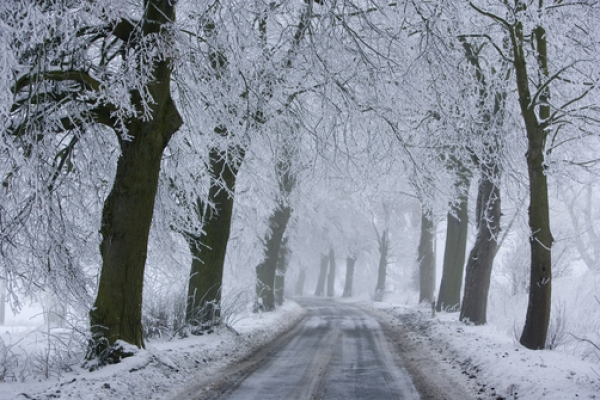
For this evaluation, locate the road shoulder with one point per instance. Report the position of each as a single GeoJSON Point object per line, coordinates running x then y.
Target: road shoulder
{"type": "Point", "coordinates": [434, 376]}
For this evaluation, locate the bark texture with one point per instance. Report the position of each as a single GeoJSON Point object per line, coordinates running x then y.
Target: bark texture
{"type": "Point", "coordinates": [209, 248]}
{"type": "Point", "coordinates": [481, 258]}
{"type": "Point", "coordinates": [536, 120]}
{"type": "Point", "coordinates": [127, 213]}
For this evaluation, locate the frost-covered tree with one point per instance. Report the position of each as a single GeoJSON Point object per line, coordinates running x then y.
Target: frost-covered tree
{"type": "Point", "coordinates": [556, 89]}
{"type": "Point", "coordinates": [85, 70]}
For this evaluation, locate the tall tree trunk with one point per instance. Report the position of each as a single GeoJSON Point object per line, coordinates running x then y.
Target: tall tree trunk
{"type": "Point", "coordinates": [456, 248]}
{"type": "Point", "coordinates": [481, 258]}
{"type": "Point", "coordinates": [320, 290]}
{"type": "Point", "coordinates": [488, 210]}
{"type": "Point", "coordinates": [383, 262]}
{"type": "Point", "coordinates": [331, 276]}
{"type": "Point", "coordinates": [348, 286]}
{"type": "Point", "coordinates": [540, 283]}
{"type": "Point", "coordinates": [275, 246]}
{"type": "Point", "coordinates": [265, 271]}
{"type": "Point", "coordinates": [426, 258]}
{"type": "Point", "coordinates": [299, 288]}
{"type": "Point", "coordinates": [208, 249]}
{"type": "Point", "coordinates": [127, 213]}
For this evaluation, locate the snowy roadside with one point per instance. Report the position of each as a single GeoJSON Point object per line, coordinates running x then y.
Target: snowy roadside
{"type": "Point", "coordinates": [497, 364]}
{"type": "Point", "coordinates": [164, 367]}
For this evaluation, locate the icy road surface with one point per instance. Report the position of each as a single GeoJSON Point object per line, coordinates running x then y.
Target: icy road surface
{"type": "Point", "coordinates": [336, 352]}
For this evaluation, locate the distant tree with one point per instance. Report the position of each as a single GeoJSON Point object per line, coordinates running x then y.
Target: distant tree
{"type": "Point", "coordinates": [320, 290]}
{"type": "Point", "coordinates": [299, 288]}
{"type": "Point", "coordinates": [384, 247]}
{"type": "Point", "coordinates": [331, 276]}
{"type": "Point", "coordinates": [426, 258]}
{"type": "Point", "coordinates": [348, 285]}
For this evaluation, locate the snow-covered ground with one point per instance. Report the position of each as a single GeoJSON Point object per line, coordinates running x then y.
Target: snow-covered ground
{"type": "Point", "coordinates": [161, 370]}
{"type": "Point", "coordinates": [488, 358]}
{"type": "Point", "coordinates": [495, 362]}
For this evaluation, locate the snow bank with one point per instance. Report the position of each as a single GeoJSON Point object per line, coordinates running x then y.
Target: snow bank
{"type": "Point", "coordinates": [163, 368]}
{"type": "Point", "coordinates": [499, 365]}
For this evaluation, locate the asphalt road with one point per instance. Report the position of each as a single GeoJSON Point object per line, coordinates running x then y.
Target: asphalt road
{"type": "Point", "coordinates": [336, 352]}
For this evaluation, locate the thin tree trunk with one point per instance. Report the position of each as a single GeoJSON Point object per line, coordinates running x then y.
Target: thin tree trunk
{"type": "Point", "coordinates": [299, 289]}
{"type": "Point", "coordinates": [331, 276]}
{"type": "Point", "coordinates": [426, 259]}
{"type": "Point", "coordinates": [383, 261]}
{"type": "Point", "coordinates": [208, 250]}
{"type": "Point", "coordinates": [481, 258]}
{"type": "Point", "coordinates": [348, 286]}
{"type": "Point", "coordinates": [455, 251]}
{"type": "Point", "coordinates": [127, 213]}
{"type": "Point", "coordinates": [320, 290]}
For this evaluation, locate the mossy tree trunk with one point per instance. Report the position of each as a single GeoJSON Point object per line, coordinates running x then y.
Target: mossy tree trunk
{"type": "Point", "coordinates": [320, 290]}
{"type": "Point", "coordinates": [127, 213]}
{"type": "Point", "coordinates": [349, 284]}
{"type": "Point", "coordinates": [209, 248]}
{"type": "Point", "coordinates": [456, 246]}
{"type": "Point", "coordinates": [426, 258]}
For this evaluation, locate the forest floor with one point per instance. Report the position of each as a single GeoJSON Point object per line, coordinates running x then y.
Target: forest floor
{"type": "Point", "coordinates": [438, 351]}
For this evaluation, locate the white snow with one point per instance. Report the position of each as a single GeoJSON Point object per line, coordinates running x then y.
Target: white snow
{"type": "Point", "coordinates": [500, 366]}
{"type": "Point", "coordinates": [488, 356]}
{"type": "Point", "coordinates": [161, 370]}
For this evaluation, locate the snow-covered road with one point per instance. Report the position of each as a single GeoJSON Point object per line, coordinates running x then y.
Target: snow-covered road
{"type": "Point", "coordinates": [337, 351]}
